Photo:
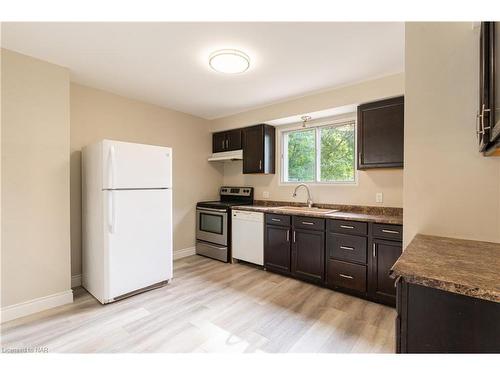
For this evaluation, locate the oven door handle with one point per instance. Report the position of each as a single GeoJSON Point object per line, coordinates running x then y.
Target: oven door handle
{"type": "Point", "coordinates": [210, 209]}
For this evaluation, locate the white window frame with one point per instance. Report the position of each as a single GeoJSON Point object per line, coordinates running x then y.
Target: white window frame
{"type": "Point", "coordinates": [325, 123]}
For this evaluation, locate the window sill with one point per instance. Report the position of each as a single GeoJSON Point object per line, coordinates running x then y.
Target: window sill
{"type": "Point", "coordinates": [331, 184]}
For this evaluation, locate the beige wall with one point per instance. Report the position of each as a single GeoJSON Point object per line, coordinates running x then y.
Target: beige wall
{"type": "Point", "coordinates": [387, 181]}
{"type": "Point", "coordinates": [366, 91]}
{"type": "Point", "coordinates": [35, 179]}
{"type": "Point", "coordinates": [449, 188]}
{"type": "Point", "coordinates": [98, 114]}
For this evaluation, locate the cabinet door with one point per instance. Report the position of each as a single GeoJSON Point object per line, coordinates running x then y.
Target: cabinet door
{"type": "Point", "coordinates": [308, 254]}
{"type": "Point", "coordinates": [495, 83]}
{"type": "Point", "coordinates": [485, 90]}
{"type": "Point", "coordinates": [253, 149]}
{"type": "Point", "coordinates": [277, 248]}
{"type": "Point", "coordinates": [233, 140]}
{"type": "Point", "coordinates": [381, 134]}
{"type": "Point", "coordinates": [384, 255]}
{"type": "Point", "coordinates": [219, 142]}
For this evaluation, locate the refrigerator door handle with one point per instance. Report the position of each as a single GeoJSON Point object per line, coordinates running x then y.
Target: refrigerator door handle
{"type": "Point", "coordinates": [111, 211]}
{"type": "Point", "coordinates": [111, 167]}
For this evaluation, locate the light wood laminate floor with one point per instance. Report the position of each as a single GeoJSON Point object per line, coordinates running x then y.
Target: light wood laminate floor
{"type": "Point", "coordinates": [211, 306]}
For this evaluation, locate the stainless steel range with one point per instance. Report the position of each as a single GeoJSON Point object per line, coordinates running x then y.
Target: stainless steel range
{"type": "Point", "coordinates": [213, 222]}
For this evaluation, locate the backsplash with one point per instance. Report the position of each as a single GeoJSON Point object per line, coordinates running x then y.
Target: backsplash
{"type": "Point", "coordinates": [369, 183]}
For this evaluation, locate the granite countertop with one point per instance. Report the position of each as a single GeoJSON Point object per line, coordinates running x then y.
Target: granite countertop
{"type": "Point", "coordinates": [471, 268]}
{"type": "Point", "coordinates": [385, 215]}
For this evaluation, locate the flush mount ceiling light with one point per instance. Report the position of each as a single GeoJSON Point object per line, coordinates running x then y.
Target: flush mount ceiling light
{"type": "Point", "coordinates": [229, 61]}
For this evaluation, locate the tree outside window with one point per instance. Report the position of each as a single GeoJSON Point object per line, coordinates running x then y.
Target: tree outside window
{"type": "Point", "coordinates": [323, 154]}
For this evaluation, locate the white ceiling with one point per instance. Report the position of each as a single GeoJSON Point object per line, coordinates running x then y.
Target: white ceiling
{"type": "Point", "coordinates": [166, 63]}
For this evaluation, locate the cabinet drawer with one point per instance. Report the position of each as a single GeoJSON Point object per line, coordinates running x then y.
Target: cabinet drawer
{"type": "Point", "coordinates": [347, 247]}
{"type": "Point", "coordinates": [348, 227]}
{"type": "Point", "coordinates": [347, 275]}
{"type": "Point", "coordinates": [309, 222]}
{"type": "Point", "coordinates": [276, 219]}
{"type": "Point", "coordinates": [389, 231]}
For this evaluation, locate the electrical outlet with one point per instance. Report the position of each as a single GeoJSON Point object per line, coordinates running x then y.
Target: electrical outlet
{"type": "Point", "coordinates": [379, 197]}
{"type": "Point", "coordinates": [265, 194]}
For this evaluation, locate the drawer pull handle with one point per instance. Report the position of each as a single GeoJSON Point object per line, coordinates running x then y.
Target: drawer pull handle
{"type": "Point", "coordinates": [347, 248]}
{"type": "Point", "coordinates": [390, 231]}
{"type": "Point", "coordinates": [307, 223]}
{"type": "Point", "coordinates": [347, 226]}
{"type": "Point", "coordinates": [276, 219]}
{"type": "Point", "coordinates": [346, 276]}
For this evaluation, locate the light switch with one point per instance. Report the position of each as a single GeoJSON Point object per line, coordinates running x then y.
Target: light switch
{"type": "Point", "coordinates": [379, 197]}
{"type": "Point", "coordinates": [265, 194]}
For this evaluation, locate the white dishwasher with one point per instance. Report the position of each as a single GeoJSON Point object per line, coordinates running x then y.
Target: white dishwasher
{"type": "Point", "coordinates": [248, 236]}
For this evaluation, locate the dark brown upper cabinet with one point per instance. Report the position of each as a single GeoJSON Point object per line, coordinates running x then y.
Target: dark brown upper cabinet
{"type": "Point", "coordinates": [227, 141]}
{"type": "Point", "coordinates": [381, 134]}
{"type": "Point", "coordinates": [488, 116]}
{"type": "Point", "coordinates": [259, 149]}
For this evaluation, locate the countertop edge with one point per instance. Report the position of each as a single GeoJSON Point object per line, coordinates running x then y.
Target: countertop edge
{"type": "Point", "coordinates": [430, 261]}
{"type": "Point", "coordinates": [448, 286]}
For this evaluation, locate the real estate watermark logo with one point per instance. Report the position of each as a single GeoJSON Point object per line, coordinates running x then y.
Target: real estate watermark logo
{"type": "Point", "coordinates": [26, 349]}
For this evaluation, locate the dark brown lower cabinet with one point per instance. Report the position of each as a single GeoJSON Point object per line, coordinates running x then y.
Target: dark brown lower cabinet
{"type": "Point", "coordinates": [347, 256]}
{"type": "Point", "coordinates": [277, 248]}
{"type": "Point", "coordinates": [308, 254]}
{"type": "Point", "coordinates": [384, 255]}
{"type": "Point", "coordinates": [435, 321]}
{"type": "Point", "coordinates": [346, 275]}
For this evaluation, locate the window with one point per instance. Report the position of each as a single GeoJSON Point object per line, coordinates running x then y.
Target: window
{"type": "Point", "coordinates": [322, 154]}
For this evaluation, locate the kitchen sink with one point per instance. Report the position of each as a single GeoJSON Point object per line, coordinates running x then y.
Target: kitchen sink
{"type": "Point", "coordinates": [308, 209]}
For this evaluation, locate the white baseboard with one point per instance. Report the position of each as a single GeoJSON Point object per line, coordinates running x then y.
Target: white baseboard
{"type": "Point", "coordinates": [182, 253]}
{"type": "Point", "coordinates": [35, 305]}
{"type": "Point", "coordinates": [76, 280]}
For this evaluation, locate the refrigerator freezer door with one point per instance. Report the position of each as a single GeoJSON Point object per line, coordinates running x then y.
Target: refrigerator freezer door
{"type": "Point", "coordinates": [138, 227]}
{"type": "Point", "coordinates": [136, 166]}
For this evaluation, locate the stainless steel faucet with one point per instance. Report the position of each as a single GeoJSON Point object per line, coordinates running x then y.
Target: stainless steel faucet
{"type": "Point", "coordinates": [309, 199]}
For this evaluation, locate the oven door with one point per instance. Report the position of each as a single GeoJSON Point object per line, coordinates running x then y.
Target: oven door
{"type": "Point", "coordinates": [211, 225]}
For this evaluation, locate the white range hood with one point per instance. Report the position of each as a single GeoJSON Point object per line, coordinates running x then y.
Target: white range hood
{"type": "Point", "coordinates": [227, 155]}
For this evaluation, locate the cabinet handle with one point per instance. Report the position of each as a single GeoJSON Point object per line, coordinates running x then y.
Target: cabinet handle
{"type": "Point", "coordinates": [347, 226]}
{"type": "Point", "coordinates": [288, 235]}
{"type": "Point", "coordinates": [396, 282]}
{"type": "Point", "coordinates": [374, 250]}
{"type": "Point", "coordinates": [273, 219]}
{"type": "Point", "coordinates": [346, 276]}
{"type": "Point", "coordinates": [484, 109]}
{"type": "Point", "coordinates": [293, 236]}
{"type": "Point", "coordinates": [227, 143]}
{"type": "Point", "coordinates": [390, 231]}
{"type": "Point", "coordinates": [260, 165]}
{"type": "Point", "coordinates": [223, 142]}
{"type": "Point", "coordinates": [359, 158]}
{"type": "Point", "coordinates": [347, 248]}
{"type": "Point", "coordinates": [307, 223]}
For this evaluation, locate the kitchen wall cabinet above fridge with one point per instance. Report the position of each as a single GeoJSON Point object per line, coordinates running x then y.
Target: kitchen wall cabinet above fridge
{"type": "Point", "coordinates": [256, 142]}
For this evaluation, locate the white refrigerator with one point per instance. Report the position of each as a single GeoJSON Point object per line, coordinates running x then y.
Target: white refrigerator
{"type": "Point", "coordinates": [126, 218]}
